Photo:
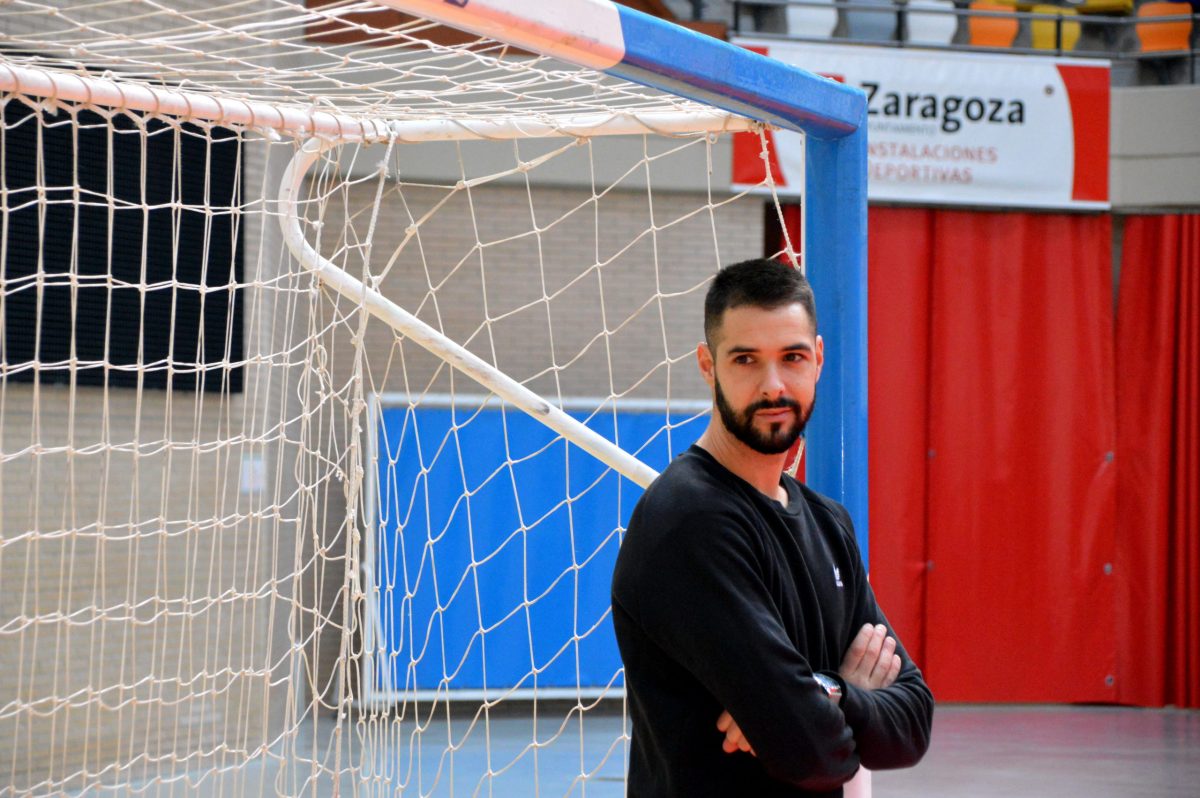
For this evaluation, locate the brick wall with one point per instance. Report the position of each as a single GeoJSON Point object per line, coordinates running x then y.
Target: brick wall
{"type": "Point", "coordinates": [605, 300]}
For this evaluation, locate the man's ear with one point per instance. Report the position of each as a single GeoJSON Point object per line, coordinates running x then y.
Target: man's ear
{"type": "Point", "coordinates": [820, 355]}
{"type": "Point", "coordinates": [704, 359]}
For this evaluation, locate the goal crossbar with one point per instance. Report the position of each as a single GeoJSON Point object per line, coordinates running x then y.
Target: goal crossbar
{"type": "Point", "coordinates": [123, 95]}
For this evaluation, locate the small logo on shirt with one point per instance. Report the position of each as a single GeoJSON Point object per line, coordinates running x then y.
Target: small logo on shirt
{"type": "Point", "coordinates": [837, 577]}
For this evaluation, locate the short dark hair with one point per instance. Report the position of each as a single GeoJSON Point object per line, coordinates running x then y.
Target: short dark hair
{"type": "Point", "coordinates": [763, 283]}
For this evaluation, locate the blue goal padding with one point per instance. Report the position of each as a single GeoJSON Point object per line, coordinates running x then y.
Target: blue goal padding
{"type": "Point", "coordinates": [493, 562]}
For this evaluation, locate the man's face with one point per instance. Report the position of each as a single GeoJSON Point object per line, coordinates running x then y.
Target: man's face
{"type": "Point", "coordinates": [764, 373]}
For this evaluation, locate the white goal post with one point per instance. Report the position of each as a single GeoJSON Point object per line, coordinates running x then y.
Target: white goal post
{"type": "Point", "coordinates": [338, 340]}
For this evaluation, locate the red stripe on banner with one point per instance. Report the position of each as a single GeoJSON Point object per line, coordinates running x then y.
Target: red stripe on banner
{"type": "Point", "coordinates": [792, 217]}
{"type": "Point", "coordinates": [749, 167]}
{"type": "Point", "coordinates": [792, 221]}
{"type": "Point", "coordinates": [1088, 91]}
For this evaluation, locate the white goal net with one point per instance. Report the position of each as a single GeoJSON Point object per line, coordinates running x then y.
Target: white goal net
{"type": "Point", "coordinates": [336, 347]}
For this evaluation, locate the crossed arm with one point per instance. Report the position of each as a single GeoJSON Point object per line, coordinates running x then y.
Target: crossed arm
{"type": "Point", "coordinates": [712, 597]}
{"type": "Point", "coordinates": [870, 663]}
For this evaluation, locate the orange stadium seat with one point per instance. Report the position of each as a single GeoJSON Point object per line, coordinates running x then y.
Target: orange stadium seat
{"type": "Point", "coordinates": [1157, 37]}
{"type": "Point", "coordinates": [988, 31]}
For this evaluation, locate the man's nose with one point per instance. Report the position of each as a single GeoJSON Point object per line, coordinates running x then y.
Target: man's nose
{"type": "Point", "coordinates": [772, 382]}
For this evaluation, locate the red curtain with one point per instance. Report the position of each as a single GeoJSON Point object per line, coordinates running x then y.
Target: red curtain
{"type": "Point", "coordinates": [1035, 490]}
{"type": "Point", "coordinates": [1022, 485]}
{"type": "Point", "coordinates": [1158, 428]}
{"type": "Point", "coordinates": [992, 476]}
{"type": "Point", "coordinates": [901, 244]}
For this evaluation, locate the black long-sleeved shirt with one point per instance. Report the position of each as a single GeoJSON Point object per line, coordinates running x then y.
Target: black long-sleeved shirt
{"type": "Point", "coordinates": [725, 600]}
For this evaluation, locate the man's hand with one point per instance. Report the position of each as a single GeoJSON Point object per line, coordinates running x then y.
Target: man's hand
{"type": "Point", "coordinates": [871, 662]}
{"type": "Point", "coordinates": [734, 739]}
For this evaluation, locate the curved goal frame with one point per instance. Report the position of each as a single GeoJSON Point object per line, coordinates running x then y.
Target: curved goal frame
{"type": "Point", "coordinates": [629, 44]}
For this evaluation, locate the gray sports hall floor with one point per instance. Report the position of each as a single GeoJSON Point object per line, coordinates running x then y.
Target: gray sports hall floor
{"type": "Point", "coordinates": [978, 752]}
{"type": "Point", "coordinates": [1054, 752]}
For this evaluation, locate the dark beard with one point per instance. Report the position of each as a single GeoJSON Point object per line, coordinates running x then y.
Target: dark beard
{"type": "Point", "coordinates": [780, 436]}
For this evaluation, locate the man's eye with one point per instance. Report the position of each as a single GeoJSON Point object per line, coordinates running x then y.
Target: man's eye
{"type": "Point", "coordinates": [742, 359]}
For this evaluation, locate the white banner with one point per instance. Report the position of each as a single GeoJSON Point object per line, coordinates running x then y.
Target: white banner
{"type": "Point", "coordinates": [961, 128]}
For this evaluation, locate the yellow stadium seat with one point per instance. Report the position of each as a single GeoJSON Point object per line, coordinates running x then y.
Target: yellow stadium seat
{"type": "Point", "coordinates": [1105, 7]}
{"type": "Point", "coordinates": [1044, 31]}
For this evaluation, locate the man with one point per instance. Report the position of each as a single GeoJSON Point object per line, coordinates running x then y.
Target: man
{"type": "Point", "coordinates": [756, 659]}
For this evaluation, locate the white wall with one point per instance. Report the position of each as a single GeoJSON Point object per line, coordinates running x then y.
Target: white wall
{"type": "Point", "coordinates": [1155, 147]}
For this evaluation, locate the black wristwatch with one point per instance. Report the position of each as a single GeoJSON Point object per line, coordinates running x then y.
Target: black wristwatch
{"type": "Point", "coordinates": [830, 686]}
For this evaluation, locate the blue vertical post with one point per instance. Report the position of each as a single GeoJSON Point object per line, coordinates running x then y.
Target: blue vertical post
{"type": "Point", "coordinates": [835, 259]}
{"type": "Point", "coordinates": [833, 118]}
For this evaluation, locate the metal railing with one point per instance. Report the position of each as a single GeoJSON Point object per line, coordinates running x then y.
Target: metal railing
{"type": "Point", "coordinates": [1098, 35]}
